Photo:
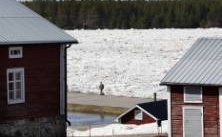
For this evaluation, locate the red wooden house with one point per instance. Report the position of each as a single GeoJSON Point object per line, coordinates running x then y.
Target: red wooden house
{"type": "Point", "coordinates": [145, 113]}
{"type": "Point", "coordinates": [32, 73]}
{"type": "Point", "coordinates": [195, 93]}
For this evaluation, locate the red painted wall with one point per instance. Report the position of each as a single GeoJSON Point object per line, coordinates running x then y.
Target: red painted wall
{"type": "Point", "coordinates": [210, 109]}
{"type": "Point", "coordinates": [129, 118]}
{"type": "Point", "coordinates": [42, 82]}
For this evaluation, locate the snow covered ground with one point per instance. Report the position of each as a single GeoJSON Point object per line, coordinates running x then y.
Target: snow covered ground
{"type": "Point", "coordinates": [119, 129]}
{"type": "Point", "coordinates": [129, 62]}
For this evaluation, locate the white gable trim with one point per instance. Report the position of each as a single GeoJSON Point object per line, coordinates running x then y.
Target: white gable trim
{"type": "Point", "coordinates": [118, 118]}
{"type": "Point", "coordinates": [147, 112]}
{"type": "Point", "coordinates": [137, 106]}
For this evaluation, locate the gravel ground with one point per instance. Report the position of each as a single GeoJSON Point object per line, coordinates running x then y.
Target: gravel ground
{"type": "Point", "coordinates": [107, 100]}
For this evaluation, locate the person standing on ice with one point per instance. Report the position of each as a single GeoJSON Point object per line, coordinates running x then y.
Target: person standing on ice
{"type": "Point", "coordinates": [101, 87]}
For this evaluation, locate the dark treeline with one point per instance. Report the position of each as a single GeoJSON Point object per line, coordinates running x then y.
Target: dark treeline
{"type": "Point", "coordinates": [131, 14]}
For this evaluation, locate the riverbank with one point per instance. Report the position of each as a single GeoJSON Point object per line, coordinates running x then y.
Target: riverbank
{"type": "Point", "coordinates": [95, 109]}
{"type": "Point", "coordinates": [107, 104]}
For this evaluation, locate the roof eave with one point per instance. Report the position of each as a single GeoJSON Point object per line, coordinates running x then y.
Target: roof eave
{"type": "Point", "coordinates": [188, 84]}
{"type": "Point", "coordinates": [39, 42]}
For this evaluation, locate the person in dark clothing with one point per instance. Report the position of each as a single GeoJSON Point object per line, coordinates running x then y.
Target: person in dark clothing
{"type": "Point", "coordinates": [101, 87]}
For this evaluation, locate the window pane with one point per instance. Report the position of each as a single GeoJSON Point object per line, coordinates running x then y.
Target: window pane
{"type": "Point", "coordinates": [138, 115]}
{"type": "Point", "coordinates": [15, 52]}
{"type": "Point", "coordinates": [193, 88]}
{"type": "Point", "coordinates": [18, 94]}
{"type": "Point", "coordinates": [18, 85]}
{"type": "Point", "coordinates": [11, 95]}
{"type": "Point", "coordinates": [11, 86]}
{"type": "Point", "coordinates": [18, 88]}
{"type": "Point", "coordinates": [18, 76]}
{"type": "Point", "coordinates": [11, 52]}
{"type": "Point", "coordinates": [193, 93]}
{"type": "Point", "coordinates": [10, 76]}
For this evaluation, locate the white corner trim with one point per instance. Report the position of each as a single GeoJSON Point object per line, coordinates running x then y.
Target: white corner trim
{"type": "Point", "coordinates": [169, 110]}
{"type": "Point", "coordinates": [220, 110]}
{"type": "Point", "coordinates": [194, 107]}
{"type": "Point", "coordinates": [62, 80]}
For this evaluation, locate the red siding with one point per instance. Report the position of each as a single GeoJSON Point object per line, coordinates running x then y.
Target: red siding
{"type": "Point", "coordinates": [42, 82]}
{"type": "Point", "coordinates": [129, 119]}
{"type": "Point", "coordinates": [210, 107]}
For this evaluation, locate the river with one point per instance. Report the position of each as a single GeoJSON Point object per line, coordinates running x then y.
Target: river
{"type": "Point", "coordinates": [80, 119]}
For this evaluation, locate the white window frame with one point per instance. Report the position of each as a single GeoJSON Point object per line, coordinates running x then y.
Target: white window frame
{"type": "Point", "coordinates": [136, 114]}
{"type": "Point", "coordinates": [193, 107]}
{"type": "Point", "coordinates": [22, 99]}
{"type": "Point", "coordinates": [11, 56]}
{"type": "Point", "coordinates": [189, 101]}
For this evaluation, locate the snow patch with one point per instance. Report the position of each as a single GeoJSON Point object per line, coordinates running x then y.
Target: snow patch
{"type": "Point", "coordinates": [120, 129]}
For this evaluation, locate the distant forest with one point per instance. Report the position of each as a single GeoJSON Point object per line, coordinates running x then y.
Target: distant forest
{"type": "Point", "coordinates": [140, 14]}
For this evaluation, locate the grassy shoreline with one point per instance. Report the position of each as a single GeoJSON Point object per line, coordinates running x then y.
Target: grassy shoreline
{"type": "Point", "coordinates": [96, 109]}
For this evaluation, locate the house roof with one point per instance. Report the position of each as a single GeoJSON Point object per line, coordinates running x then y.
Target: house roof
{"type": "Point", "coordinates": [156, 109]}
{"type": "Point", "coordinates": [20, 25]}
{"type": "Point", "coordinates": [201, 65]}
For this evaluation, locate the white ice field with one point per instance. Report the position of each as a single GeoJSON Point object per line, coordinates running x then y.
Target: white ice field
{"type": "Point", "coordinates": [129, 62]}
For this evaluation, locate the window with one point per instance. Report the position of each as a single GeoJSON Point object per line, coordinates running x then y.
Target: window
{"type": "Point", "coordinates": [15, 52]}
{"type": "Point", "coordinates": [138, 114]}
{"type": "Point", "coordinates": [193, 94]}
{"type": "Point", "coordinates": [15, 85]}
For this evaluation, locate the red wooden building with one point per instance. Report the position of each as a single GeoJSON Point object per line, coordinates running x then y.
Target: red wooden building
{"type": "Point", "coordinates": [145, 113]}
{"type": "Point", "coordinates": [32, 73]}
{"type": "Point", "coordinates": [194, 91]}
